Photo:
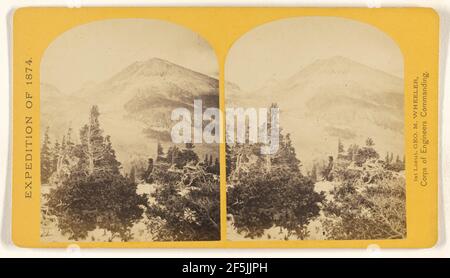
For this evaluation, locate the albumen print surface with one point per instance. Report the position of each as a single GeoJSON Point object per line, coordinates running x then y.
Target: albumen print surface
{"type": "Point", "coordinates": [109, 169]}
{"type": "Point", "coordinates": [339, 171]}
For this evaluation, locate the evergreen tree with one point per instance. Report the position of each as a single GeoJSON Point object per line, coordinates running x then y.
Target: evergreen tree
{"type": "Point", "coordinates": [61, 156]}
{"type": "Point", "coordinates": [264, 197]}
{"type": "Point", "coordinates": [66, 159]}
{"type": "Point", "coordinates": [188, 216]}
{"type": "Point", "coordinates": [185, 156]}
{"type": "Point", "coordinates": [210, 161]}
{"type": "Point", "coordinates": [63, 143]}
{"type": "Point", "coordinates": [172, 155]}
{"type": "Point", "coordinates": [397, 165]}
{"type": "Point", "coordinates": [132, 176]}
{"type": "Point", "coordinates": [94, 195]}
{"type": "Point", "coordinates": [159, 153]}
{"type": "Point", "coordinates": [229, 160]}
{"type": "Point", "coordinates": [69, 142]}
{"type": "Point", "coordinates": [352, 152]}
{"type": "Point", "coordinates": [216, 166]}
{"type": "Point", "coordinates": [286, 154]}
{"type": "Point", "coordinates": [313, 174]}
{"type": "Point", "coordinates": [340, 147]}
{"type": "Point", "coordinates": [358, 210]}
{"type": "Point", "coordinates": [108, 161]}
{"type": "Point", "coordinates": [189, 146]}
{"type": "Point", "coordinates": [369, 142]}
{"type": "Point", "coordinates": [148, 172]}
{"type": "Point", "coordinates": [93, 148]}
{"type": "Point", "coordinates": [98, 201]}
{"type": "Point", "coordinates": [55, 156]}
{"type": "Point", "coordinates": [46, 158]}
{"type": "Point", "coordinates": [326, 172]}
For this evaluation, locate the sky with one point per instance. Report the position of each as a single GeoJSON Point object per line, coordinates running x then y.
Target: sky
{"type": "Point", "coordinates": [95, 51]}
{"type": "Point", "coordinates": [279, 49]}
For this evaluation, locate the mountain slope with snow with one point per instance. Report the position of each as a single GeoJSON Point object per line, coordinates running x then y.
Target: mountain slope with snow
{"type": "Point", "coordinates": [135, 104]}
{"type": "Point", "coordinates": [331, 99]}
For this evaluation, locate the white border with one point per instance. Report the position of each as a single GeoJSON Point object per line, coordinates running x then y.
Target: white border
{"type": "Point", "coordinates": [7, 248]}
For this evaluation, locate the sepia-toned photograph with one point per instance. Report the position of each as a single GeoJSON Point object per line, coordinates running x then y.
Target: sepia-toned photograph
{"type": "Point", "coordinates": [338, 169]}
{"type": "Point", "coordinates": [109, 168]}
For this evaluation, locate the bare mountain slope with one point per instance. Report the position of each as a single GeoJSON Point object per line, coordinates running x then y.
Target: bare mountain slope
{"type": "Point", "coordinates": [135, 104]}
{"type": "Point", "coordinates": [334, 98]}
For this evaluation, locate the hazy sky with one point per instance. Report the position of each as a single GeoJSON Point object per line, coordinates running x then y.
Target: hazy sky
{"type": "Point", "coordinates": [279, 49]}
{"type": "Point", "coordinates": [106, 47]}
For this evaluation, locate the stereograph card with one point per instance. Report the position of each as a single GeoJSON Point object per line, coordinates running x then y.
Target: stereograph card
{"type": "Point", "coordinates": [225, 127]}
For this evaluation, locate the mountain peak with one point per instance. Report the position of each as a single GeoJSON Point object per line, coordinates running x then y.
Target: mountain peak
{"type": "Point", "coordinates": [339, 59]}
{"type": "Point", "coordinates": [157, 61]}
{"type": "Point", "coordinates": [155, 67]}
{"type": "Point", "coordinates": [341, 66]}
{"type": "Point", "coordinates": [336, 63]}
{"type": "Point", "coordinates": [152, 66]}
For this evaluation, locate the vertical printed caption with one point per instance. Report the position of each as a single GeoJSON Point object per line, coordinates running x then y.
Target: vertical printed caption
{"type": "Point", "coordinates": [28, 129]}
{"type": "Point", "coordinates": [420, 128]}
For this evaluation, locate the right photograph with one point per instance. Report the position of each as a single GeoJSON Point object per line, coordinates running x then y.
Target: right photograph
{"type": "Point", "coordinates": [315, 132]}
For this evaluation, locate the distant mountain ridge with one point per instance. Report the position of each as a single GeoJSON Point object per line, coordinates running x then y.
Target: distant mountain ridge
{"type": "Point", "coordinates": [330, 99]}
{"type": "Point", "coordinates": [322, 102]}
{"type": "Point", "coordinates": [135, 104]}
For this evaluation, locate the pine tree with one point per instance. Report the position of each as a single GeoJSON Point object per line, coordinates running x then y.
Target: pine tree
{"type": "Point", "coordinates": [55, 156]}
{"type": "Point", "coordinates": [340, 146]}
{"type": "Point", "coordinates": [95, 151]}
{"type": "Point", "coordinates": [189, 146]}
{"type": "Point", "coordinates": [217, 166]}
{"type": "Point", "coordinates": [264, 197]}
{"type": "Point", "coordinates": [69, 142]}
{"type": "Point", "coordinates": [172, 155]}
{"type": "Point", "coordinates": [159, 152]}
{"type": "Point", "coordinates": [191, 216]}
{"type": "Point", "coordinates": [355, 153]}
{"type": "Point", "coordinates": [369, 142]}
{"type": "Point", "coordinates": [229, 160]}
{"type": "Point", "coordinates": [63, 143]}
{"type": "Point", "coordinates": [92, 143]}
{"type": "Point", "coordinates": [326, 172]}
{"type": "Point", "coordinates": [148, 172]}
{"type": "Point", "coordinates": [132, 176]}
{"type": "Point", "coordinates": [66, 157]}
{"type": "Point", "coordinates": [46, 158]}
{"type": "Point", "coordinates": [352, 151]}
{"type": "Point", "coordinates": [94, 194]}
{"type": "Point", "coordinates": [286, 154]}
{"type": "Point", "coordinates": [186, 155]}
{"type": "Point", "coordinates": [313, 174]}
{"type": "Point", "coordinates": [62, 150]}
{"type": "Point", "coordinates": [108, 161]}
{"type": "Point", "coordinates": [210, 162]}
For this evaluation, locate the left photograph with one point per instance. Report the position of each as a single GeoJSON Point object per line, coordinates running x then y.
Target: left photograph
{"type": "Point", "coordinates": [110, 169]}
